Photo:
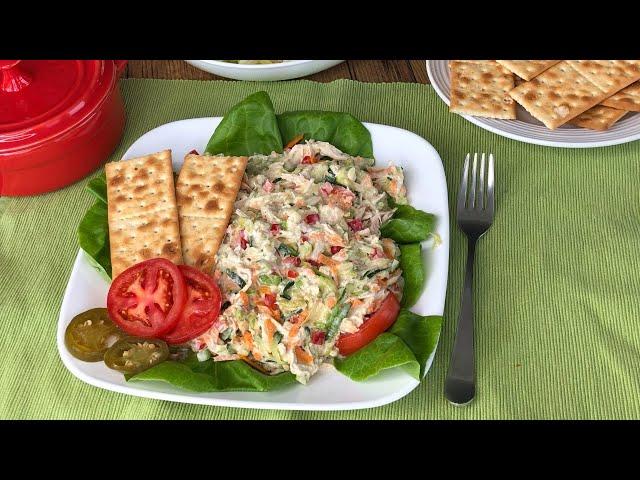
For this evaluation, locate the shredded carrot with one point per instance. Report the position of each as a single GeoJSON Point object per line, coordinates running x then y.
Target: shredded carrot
{"type": "Point", "coordinates": [330, 238]}
{"type": "Point", "coordinates": [244, 298]}
{"type": "Point", "coordinates": [329, 262]}
{"type": "Point", "coordinates": [256, 354]}
{"type": "Point", "coordinates": [294, 330]}
{"type": "Point", "coordinates": [295, 140]}
{"type": "Point", "coordinates": [248, 340]}
{"type": "Point", "coordinates": [380, 170]}
{"type": "Point", "coordinates": [332, 264]}
{"type": "Point", "coordinates": [303, 356]}
{"type": "Point", "coordinates": [302, 317]}
{"type": "Point", "coordinates": [356, 302]}
{"type": "Point", "coordinates": [264, 309]}
{"type": "Point", "coordinates": [336, 239]}
{"type": "Point", "coordinates": [334, 274]}
{"type": "Point", "coordinates": [264, 290]}
{"type": "Point", "coordinates": [331, 302]}
{"type": "Point", "coordinates": [393, 186]}
{"type": "Point", "coordinates": [270, 329]}
{"type": "Point", "coordinates": [274, 313]}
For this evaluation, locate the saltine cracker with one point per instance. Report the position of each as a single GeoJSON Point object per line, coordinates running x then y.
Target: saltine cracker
{"type": "Point", "coordinates": [206, 189]}
{"type": "Point", "coordinates": [557, 95]}
{"type": "Point", "coordinates": [598, 118]}
{"type": "Point", "coordinates": [610, 76]}
{"type": "Point", "coordinates": [481, 88]}
{"type": "Point", "coordinates": [527, 69]}
{"type": "Point", "coordinates": [142, 211]}
{"type": "Point", "coordinates": [626, 99]}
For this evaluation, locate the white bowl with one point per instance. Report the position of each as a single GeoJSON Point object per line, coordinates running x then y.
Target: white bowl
{"type": "Point", "coordinates": [264, 72]}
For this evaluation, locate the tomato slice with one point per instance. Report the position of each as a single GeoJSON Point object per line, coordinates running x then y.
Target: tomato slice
{"type": "Point", "coordinates": [201, 308]}
{"type": "Point", "coordinates": [146, 299]}
{"type": "Point", "coordinates": [380, 321]}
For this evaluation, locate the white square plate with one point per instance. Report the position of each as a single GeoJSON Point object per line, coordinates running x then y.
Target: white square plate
{"type": "Point", "coordinates": [328, 389]}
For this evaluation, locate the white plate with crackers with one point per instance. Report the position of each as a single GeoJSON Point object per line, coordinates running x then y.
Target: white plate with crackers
{"type": "Point", "coordinates": [328, 389]}
{"type": "Point", "coordinates": [557, 103]}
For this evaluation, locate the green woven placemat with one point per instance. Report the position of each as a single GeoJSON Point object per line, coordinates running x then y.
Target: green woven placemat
{"type": "Point", "coordinates": [557, 285]}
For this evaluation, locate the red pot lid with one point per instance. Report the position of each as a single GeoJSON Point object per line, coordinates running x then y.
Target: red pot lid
{"type": "Point", "coordinates": [42, 99]}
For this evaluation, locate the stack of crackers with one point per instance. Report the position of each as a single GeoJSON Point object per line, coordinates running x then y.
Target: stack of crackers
{"type": "Point", "coordinates": [592, 94]}
{"type": "Point", "coordinates": [148, 220]}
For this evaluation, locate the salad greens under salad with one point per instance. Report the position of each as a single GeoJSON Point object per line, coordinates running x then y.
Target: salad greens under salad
{"type": "Point", "coordinates": [318, 230]}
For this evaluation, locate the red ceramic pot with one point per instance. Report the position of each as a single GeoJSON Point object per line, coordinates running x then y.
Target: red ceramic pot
{"type": "Point", "coordinates": [59, 121]}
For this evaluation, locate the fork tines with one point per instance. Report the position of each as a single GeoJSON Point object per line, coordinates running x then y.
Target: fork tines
{"type": "Point", "coordinates": [476, 191]}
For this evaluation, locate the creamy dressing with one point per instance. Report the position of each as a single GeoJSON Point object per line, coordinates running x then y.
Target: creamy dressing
{"type": "Point", "coordinates": [302, 247]}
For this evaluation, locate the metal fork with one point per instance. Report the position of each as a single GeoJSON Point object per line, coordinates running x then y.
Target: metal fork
{"type": "Point", "coordinates": [475, 211]}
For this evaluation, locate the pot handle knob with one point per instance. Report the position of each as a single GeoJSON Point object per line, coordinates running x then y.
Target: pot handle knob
{"type": "Point", "coordinates": [13, 78]}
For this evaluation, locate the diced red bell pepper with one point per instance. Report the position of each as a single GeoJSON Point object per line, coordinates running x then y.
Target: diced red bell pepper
{"type": "Point", "coordinates": [243, 240]}
{"type": "Point", "coordinates": [317, 337]}
{"type": "Point", "coordinates": [295, 261]}
{"type": "Point", "coordinates": [355, 225]}
{"type": "Point", "coordinates": [312, 218]}
{"type": "Point", "coordinates": [270, 300]}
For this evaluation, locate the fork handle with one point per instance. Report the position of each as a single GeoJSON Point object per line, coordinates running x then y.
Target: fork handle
{"type": "Point", "coordinates": [460, 385]}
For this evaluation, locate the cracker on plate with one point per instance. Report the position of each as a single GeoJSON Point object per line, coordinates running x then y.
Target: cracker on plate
{"type": "Point", "coordinates": [557, 95]}
{"type": "Point", "coordinates": [598, 118]}
{"type": "Point", "coordinates": [142, 211]}
{"type": "Point", "coordinates": [626, 99]}
{"type": "Point", "coordinates": [481, 88]}
{"type": "Point", "coordinates": [527, 69]}
{"type": "Point", "coordinates": [207, 187]}
{"type": "Point", "coordinates": [610, 76]}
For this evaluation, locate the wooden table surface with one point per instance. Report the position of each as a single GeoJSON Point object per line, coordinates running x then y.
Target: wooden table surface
{"type": "Point", "coordinates": [414, 71]}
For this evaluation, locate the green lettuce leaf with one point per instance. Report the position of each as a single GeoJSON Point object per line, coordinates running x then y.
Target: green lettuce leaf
{"type": "Point", "coordinates": [413, 273]}
{"type": "Point", "coordinates": [408, 225]}
{"type": "Point", "coordinates": [93, 237]}
{"type": "Point", "coordinates": [210, 376]}
{"type": "Point", "coordinates": [98, 187]}
{"type": "Point", "coordinates": [420, 333]}
{"type": "Point", "coordinates": [250, 127]}
{"type": "Point", "coordinates": [386, 351]}
{"type": "Point", "coordinates": [342, 130]}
